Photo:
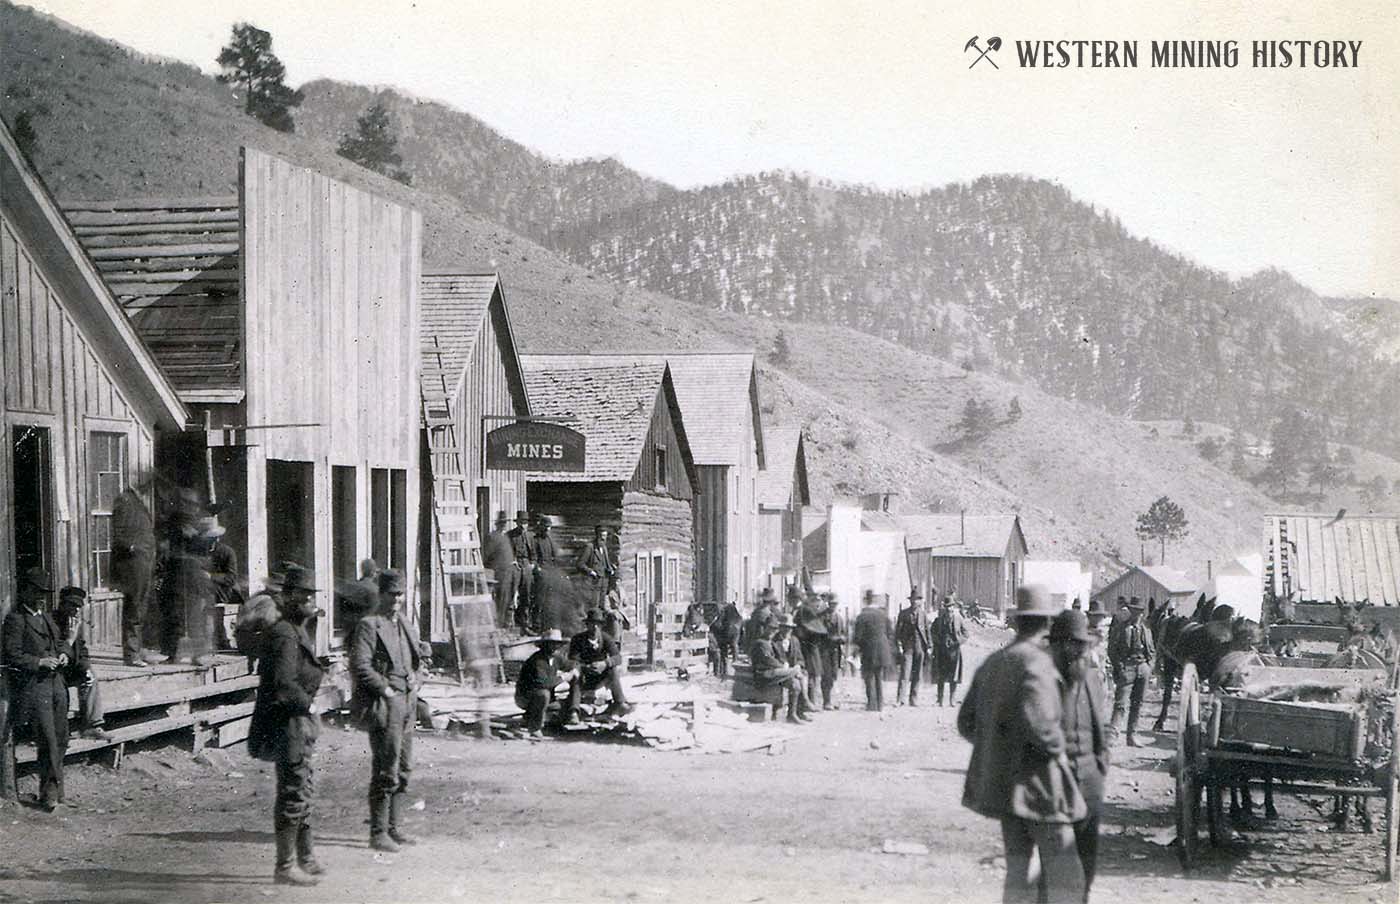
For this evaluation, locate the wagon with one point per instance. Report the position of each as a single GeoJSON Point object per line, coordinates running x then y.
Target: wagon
{"type": "Point", "coordinates": [1226, 741]}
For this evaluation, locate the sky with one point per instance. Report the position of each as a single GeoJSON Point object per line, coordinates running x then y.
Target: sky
{"type": "Point", "coordinates": [1240, 168]}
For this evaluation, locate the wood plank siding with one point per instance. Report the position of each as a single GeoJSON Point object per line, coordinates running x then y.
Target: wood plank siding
{"type": "Point", "coordinates": [712, 522]}
{"type": "Point", "coordinates": [331, 334]}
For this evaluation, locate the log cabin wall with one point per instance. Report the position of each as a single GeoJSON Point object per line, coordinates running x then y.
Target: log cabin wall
{"type": "Point", "coordinates": [56, 380]}
{"type": "Point", "coordinates": [330, 278]}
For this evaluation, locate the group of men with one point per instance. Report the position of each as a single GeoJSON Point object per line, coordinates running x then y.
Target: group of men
{"type": "Point", "coordinates": [516, 557]}
{"type": "Point", "coordinates": [797, 649]}
{"type": "Point", "coordinates": [589, 661]}
{"type": "Point", "coordinates": [911, 647]}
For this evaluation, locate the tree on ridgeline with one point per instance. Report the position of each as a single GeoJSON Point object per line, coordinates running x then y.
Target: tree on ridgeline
{"type": "Point", "coordinates": [374, 144]}
{"type": "Point", "coordinates": [1211, 448]}
{"type": "Point", "coordinates": [782, 352]}
{"type": "Point", "coordinates": [977, 419]}
{"type": "Point", "coordinates": [22, 128]}
{"type": "Point", "coordinates": [249, 63]}
{"type": "Point", "coordinates": [1188, 426]}
{"type": "Point", "coordinates": [1284, 459]}
{"type": "Point", "coordinates": [1013, 410]}
{"type": "Point", "coordinates": [1164, 520]}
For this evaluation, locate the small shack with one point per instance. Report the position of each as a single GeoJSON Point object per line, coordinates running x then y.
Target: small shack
{"type": "Point", "coordinates": [639, 481]}
{"type": "Point", "coordinates": [469, 344]}
{"type": "Point", "coordinates": [287, 319]}
{"type": "Point", "coordinates": [1153, 584]}
{"type": "Point", "coordinates": [83, 403]}
{"type": "Point", "coordinates": [980, 558]}
{"type": "Point", "coordinates": [782, 495]}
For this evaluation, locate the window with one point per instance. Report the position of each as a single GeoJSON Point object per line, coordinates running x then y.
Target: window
{"type": "Point", "coordinates": [388, 499]}
{"type": "Point", "coordinates": [344, 530]}
{"type": "Point", "coordinates": [379, 516]}
{"type": "Point", "coordinates": [643, 596]}
{"type": "Point", "coordinates": [107, 478]}
{"type": "Point", "coordinates": [660, 464]}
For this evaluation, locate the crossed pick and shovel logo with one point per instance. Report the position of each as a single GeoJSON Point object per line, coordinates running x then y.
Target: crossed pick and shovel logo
{"type": "Point", "coordinates": [992, 45]}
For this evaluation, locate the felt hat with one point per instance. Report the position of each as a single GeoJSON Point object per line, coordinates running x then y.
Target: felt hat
{"type": "Point", "coordinates": [73, 593]}
{"type": "Point", "coordinates": [1097, 611]}
{"type": "Point", "coordinates": [1071, 624]}
{"type": "Point", "coordinates": [595, 617]}
{"type": "Point", "coordinates": [1034, 600]}
{"type": "Point", "coordinates": [38, 578]}
{"type": "Point", "coordinates": [296, 577]}
{"type": "Point", "coordinates": [501, 518]}
{"type": "Point", "coordinates": [1137, 604]}
{"type": "Point", "coordinates": [766, 595]}
{"type": "Point", "coordinates": [210, 527]}
{"type": "Point", "coordinates": [521, 516]}
{"type": "Point", "coordinates": [786, 622]}
{"type": "Point", "coordinates": [915, 594]}
{"type": "Point", "coordinates": [552, 636]}
{"type": "Point", "coordinates": [391, 581]}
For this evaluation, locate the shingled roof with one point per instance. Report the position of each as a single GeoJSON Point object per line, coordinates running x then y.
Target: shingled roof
{"type": "Point", "coordinates": [173, 266]}
{"type": "Point", "coordinates": [454, 307]}
{"type": "Point", "coordinates": [610, 401]}
{"type": "Point", "coordinates": [717, 391]}
{"type": "Point", "coordinates": [787, 460]}
{"type": "Point", "coordinates": [984, 535]}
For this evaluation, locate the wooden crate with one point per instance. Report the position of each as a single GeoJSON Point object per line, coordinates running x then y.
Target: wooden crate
{"type": "Point", "coordinates": [1326, 729]}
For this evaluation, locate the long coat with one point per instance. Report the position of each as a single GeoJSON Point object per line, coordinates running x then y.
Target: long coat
{"type": "Point", "coordinates": [373, 657]}
{"type": "Point", "coordinates": [911, 630]}
{"type": "Point", "coordinates": [27, 639]}
{"type": "Point", "coordinates": [1012, 714]}
{"type": "Point", "coordinates": [289, 675]}
{"type": "Point", "coordinates": [949, 631]}
{"type": "Point", "coordinates": [873, 635]}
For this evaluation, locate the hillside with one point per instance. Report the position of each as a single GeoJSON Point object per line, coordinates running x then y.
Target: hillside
{"type": "Point", "coordinates": [879, 415]}
{"type": "Point", "coordinates": [1370, 322]}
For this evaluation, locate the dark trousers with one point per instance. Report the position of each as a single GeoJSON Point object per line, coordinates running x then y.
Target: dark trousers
{"type": "Point", "coordinates": [391, 755]}
{"type": "Point", "coordinates": [952, 692]}
{"type": "Point", "coordinates": [874, 687]}
{"type": "Point", "coordinates": [1130, 683]}
{"type": "Point", "coordinates": [1086, 831]}
{"type": "Point", "coordinates": [296, 785]}
{"type": "Point", "coordinates": [609, 679]}
{"type": "Point", "coordinates": [135, 574]}
{"type": "Point", "coordinates": [89, 697]}
{"type": "Point", "coordinates": [911, 667]}
{"type": "Point", "coordinates": [45, 697]}
{"type": "Point", "coordinates": [1061, 877]}
{"type": "Point", "coordinates": [831, 668]}
{"type": "Point", "coordinates": [728, 649]}
{"type": "Point", "coordinates": [525, 614]}
{"type": "Point", "coordinates": [812, 662]}
{"type": "Point", "coordinates": [507, 591]}
{"type": "Point", "coordinates": [536, 704]}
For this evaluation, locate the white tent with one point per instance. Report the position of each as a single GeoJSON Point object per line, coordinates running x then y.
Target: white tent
{"type": "Point", "coordinates": [1066, 580]}
{"type": "Point", "coordinates": [1240, 584]}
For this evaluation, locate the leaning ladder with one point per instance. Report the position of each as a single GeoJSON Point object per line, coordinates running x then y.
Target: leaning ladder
{"type": "Point", "coordinates": [461, 576]}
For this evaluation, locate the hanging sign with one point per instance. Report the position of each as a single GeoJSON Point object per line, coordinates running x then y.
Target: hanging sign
{"type": "Point", "coordinates": [534, 446]}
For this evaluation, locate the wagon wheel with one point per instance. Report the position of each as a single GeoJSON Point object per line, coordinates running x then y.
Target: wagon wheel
{"type": "Point", "coordinates": [1188, 774]}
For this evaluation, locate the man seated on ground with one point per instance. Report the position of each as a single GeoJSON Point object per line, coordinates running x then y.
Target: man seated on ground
{"type": "Point", "coordinates": [771, 669]}
{"type": "Point", "coordinates": [789, 648]}
{"type": "Point", "coordinates": [534, 689]}
{"type": "Point", "coordinates": [594, 656]}
{"type": "Point", "coordinates": [78, 672]}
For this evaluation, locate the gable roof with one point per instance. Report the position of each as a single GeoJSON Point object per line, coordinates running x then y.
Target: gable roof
{"type": "Point", "coordinates": [1351, 557]}
{"type": "Point", "coordinates": [610, 403]}
{"type": "Point", "coordinates": [982, 536]}
{"type": "Point", "coordinates": [455, 306]}
{"type": "Point", "coordinates": [1170, 579]}
{"type": "Point", "coordinates": [173, 264]}
{"type": "Point", "coordinates": [786, 459]}
{"type": "Point", "coordinates": [84, 294]}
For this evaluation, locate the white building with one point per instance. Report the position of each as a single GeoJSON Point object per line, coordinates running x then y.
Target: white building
{"type": "Point", "coordinates": [1066, 580]}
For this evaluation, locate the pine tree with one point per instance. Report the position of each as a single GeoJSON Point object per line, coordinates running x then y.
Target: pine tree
{"type": "Point", "coordinates": [781, 353]}
{"type": "Point", "coordinates": [1188, 426]}
{"type": "Point", "coordinates": [1013, 410]}
{"type": "Point", "coordinates": [374, 144]}
{"type": "Point", "coordinates": [22, 128]}
{"type": "Point", "coordinates": [1164, 520]}
{"type": "Point", "coordinates": [1210, 448]}
{"type": "Point", "coordinates": [248, 62]}
{"type": "Point", "coordinates": [976, 420]}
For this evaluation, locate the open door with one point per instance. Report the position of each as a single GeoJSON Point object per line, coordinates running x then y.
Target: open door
{"type": "Point", "coordinates": [31, 458]}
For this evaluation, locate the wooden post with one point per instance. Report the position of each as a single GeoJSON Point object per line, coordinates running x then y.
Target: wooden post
{"type": "Point", "coordinates": [7, 750]}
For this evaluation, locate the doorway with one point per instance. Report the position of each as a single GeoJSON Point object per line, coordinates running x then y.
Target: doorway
{"type": "Point", "coordinates": [291, 504]}
{"type": "Point", "coordinates": [32, 470]}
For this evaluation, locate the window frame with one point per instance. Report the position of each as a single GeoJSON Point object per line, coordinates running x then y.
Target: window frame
{"type": "Point", "coordinates": [100, 575]}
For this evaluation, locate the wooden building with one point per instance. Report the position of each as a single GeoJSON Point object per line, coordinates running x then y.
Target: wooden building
{"type": "Point", "coordinates": [1156, 584]}
{"type": "Point", "coordinates": [288, 317]}
{"type": "Point", "coordinates": [466, 327]}
{"type": "Point", "coordinates": [83, 402]}
{"type": "Point", "coordinates": [1318, 559]}
{"type": "Point", "coordinates": [782, 494]}
{"type": "Point", "coordinates": [978, 557]}
{"type": "Point", "coordinates": [639, 480]}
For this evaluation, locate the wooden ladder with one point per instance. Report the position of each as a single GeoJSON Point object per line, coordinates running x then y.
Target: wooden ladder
{"type": "Point", "coordinates": [461, 576]}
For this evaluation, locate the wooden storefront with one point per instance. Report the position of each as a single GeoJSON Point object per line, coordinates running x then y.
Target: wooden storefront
{"type": "Point", "coordinates": [639, 483]}
{"type": "Point", "coordinates": [82, 401]}
{"type": "Point", "coordinates": [978, 557]}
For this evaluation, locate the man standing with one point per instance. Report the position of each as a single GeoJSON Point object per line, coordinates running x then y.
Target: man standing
{"type": "Point", "coordinates": [539, 676]}
{"type": "Point", "coordinates": [34, 656]}
{"type": "Point", "coordinates": [78, 672]}
{"type": "Point", "coordinates": [949, 632]}
{"type": "Point", "coordinates": [133, 556]}
{"type": "Point", "coordinates": [1018, 772]}
{"type": "Point", "coordinates": [522, 546]}
{"type": "Point", "coordinates": [1130, 654]}
{"type": "Point", "coordinates": [498, 554]}
{"type": "Point", "coordinates": [597, 564]}
{"type": "Point", "coordinates": [833, 648]}
{"type": "Point", "coordinates": [726, 629]}
{"type": "Point", "coordinates": [911, 638]}
{"type": "Point", "coordinates": [811, 634]}
{"type": "Point", "coordinates": [771, 669]}
{"type": "Point", "coordinates": [359, 599]}
{"type": "Point", "coordinates": [594, 654]}
{"type": "Point", "coordinates": [1086, 741]}
{"type": "Point", "coordinates": [872, 636]}
{"type": "Point", "coordinates": [384, 662]}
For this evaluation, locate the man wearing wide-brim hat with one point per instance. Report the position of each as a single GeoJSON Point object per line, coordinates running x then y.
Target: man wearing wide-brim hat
{"type": "Point", "coordinates": [911, 639]}
{"type": "Point", "coordinates": [1130, 655]}
{"type": "Point", "coordinates": [539, 676]}
{"type": "Point", "coordinates": [811, 634]}
{"type": "Point", "coordinates": [34, 655]}
{"type": "Point", "coordinates": [595, 656]}
{"type": "Point", "coordinates": [522, 545]}
{"type": "Point", "coordinates": [1086, 732]}
{"type": "Point", "coordinates": [1018, 772]}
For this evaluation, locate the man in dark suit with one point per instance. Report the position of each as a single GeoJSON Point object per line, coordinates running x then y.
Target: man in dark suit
{"type": "Point", "coordinates": [911, 639]}
{"type": "Point", "coordinates": [286, 723]}
{"type": "Point", "coordinates": [133, 558]}
{"type": "Point", "coordinates": [771, 669]}
{"type": "Point", "coordinates": [811, 634]}
{"type": "Point", "coordinates": [599, 567]}
{"type": "Point", "coordinates": [1086, 737]}
{"type": "Point", "coordinates": [872, 636]}
{"type": "Point", "coordinates": [78, 672]}
{"type": "Point", "coordinates": [593, 656]}
{"type": "Point", "coordinates": [498, 555]}
{"type": "Point", "coordinates": [522, 546]}
{"type": "Point", "coordinates": [1130, 654]}
{"type": "Point", "coordinates": [34, 657]}
{"type": "Point", "coordinates": [833, 648]}
{"type": "Point", "coordinates": [1018, 772]}
{"type": "Point", "coordinates": [384, 661]}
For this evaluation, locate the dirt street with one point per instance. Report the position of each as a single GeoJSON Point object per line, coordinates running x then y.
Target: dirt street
{"type": "Point", "coordinates": [577, 820]}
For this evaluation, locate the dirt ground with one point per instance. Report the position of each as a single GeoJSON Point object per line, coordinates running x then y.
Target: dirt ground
{"type": "Point", "coordinates": [579, 820]}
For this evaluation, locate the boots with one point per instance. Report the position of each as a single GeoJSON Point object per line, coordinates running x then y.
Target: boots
{"type": "Point", "coordinates": [287, 871]}
{"type": "Point", "coordinates": [306, 854]}
{"type": "Point", "coordinates": [396, 808]}
{"type": "Point", "coordinates": [379, 836]}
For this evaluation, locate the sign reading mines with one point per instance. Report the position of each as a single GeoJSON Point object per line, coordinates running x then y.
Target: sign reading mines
{"type": "Point", "coordinates": [534, 446]}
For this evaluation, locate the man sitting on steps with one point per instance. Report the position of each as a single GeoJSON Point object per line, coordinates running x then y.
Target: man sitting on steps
{"type": "Point", "coordinates": [770, 669]}
{"type": "Point", "coordinates": [595, 655]}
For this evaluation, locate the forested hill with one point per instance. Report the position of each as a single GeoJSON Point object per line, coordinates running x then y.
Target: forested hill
{"type": "Point", "coordinates": [1013, 273]}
